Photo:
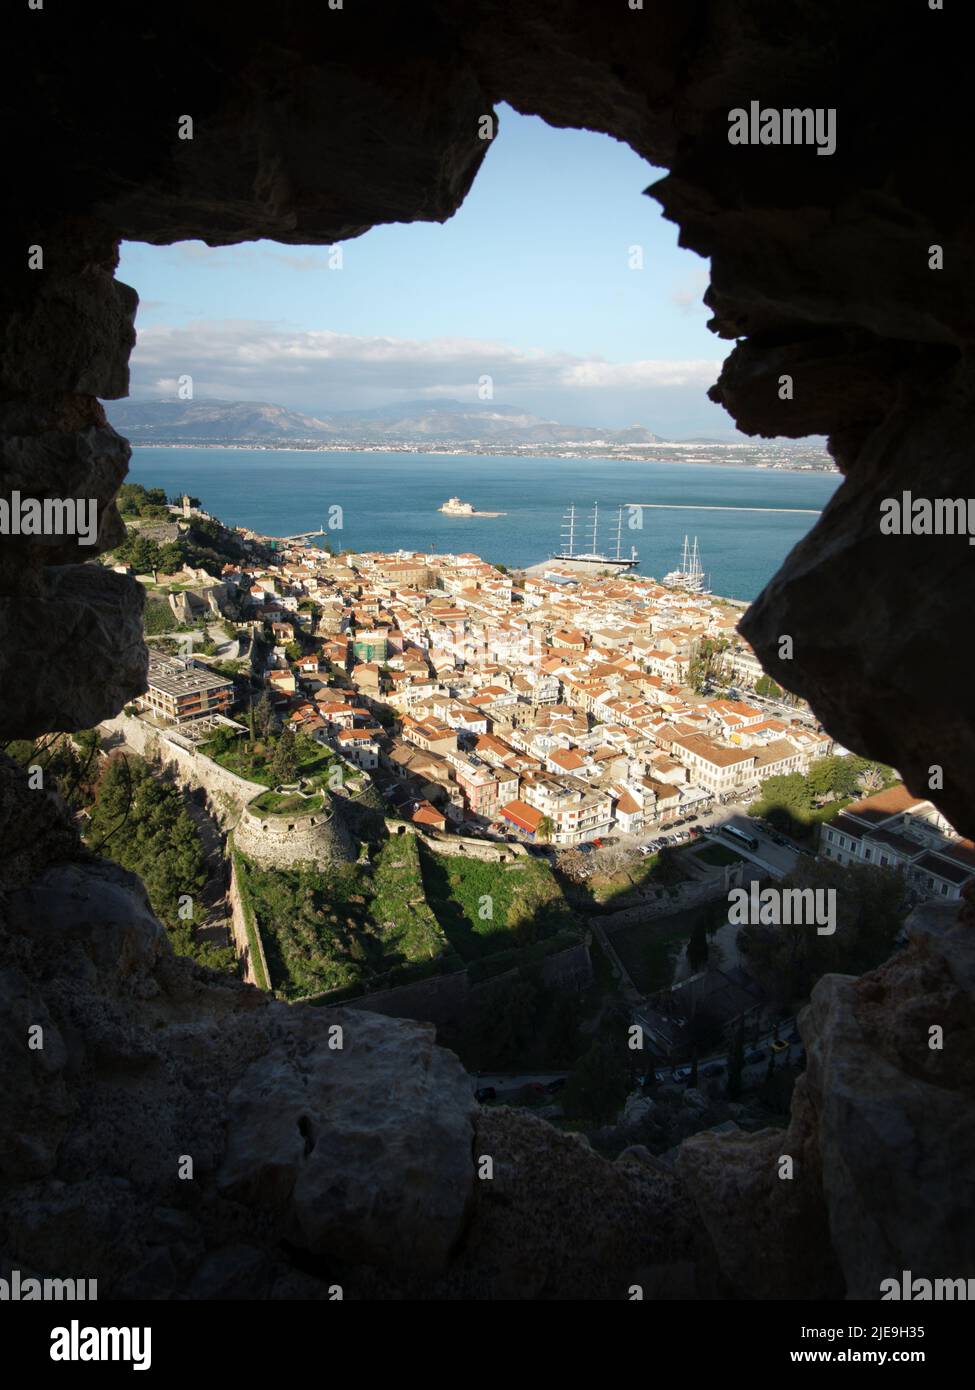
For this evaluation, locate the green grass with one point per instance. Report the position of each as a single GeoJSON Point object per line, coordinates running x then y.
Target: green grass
{"type": "Point", "coordinates": [287, 804]}
{"type": "Point", "coordinates": [488, 907]}
{"type": "Point", "coordinates": [347, 928]}
{"type": "Point", "coordinates": [253, 762]}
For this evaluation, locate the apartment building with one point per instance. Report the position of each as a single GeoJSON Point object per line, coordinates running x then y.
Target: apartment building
{"type": "Point", "coordinates": [577, 813]}
{"type": "Point", "coordinates": [719, 769]}
{"type": "Point", "coordinates": [181, 689]}
{"type": "Point", "coordinates": [896, 830]}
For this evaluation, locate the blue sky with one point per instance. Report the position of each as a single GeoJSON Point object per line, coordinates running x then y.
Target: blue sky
{"type": "Point", "coordinates": [530, 283]}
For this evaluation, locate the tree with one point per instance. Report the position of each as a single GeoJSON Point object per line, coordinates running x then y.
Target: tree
{"type": "Point", "coordinates": [306, 748]}
{"type": "Point", "coordinates": [284, 764]}
{"type": "Point", "coordinates": [544, 831]}
{"type": "Point", "coordinates": [170, 557]}
{"type": "Point", "coordinates": [223, 740]}
{"type": "Point", "coordinates": [765, 685]}
{"type": "Point", "coordinates": [870, 907]}
{"type": "Point", "coordinates": [871, 780]}
{"type": "Point", "coordinates": [142, 823]}
{"type": "Point", "coordinates": [142, 554]}
{"type": "Point", "coordinates": [262, 717]}
{"type": "Point", "coordinates": [697, 948]}
{"type": "Point", "coordinates": [706, 662]}
{"type": "Point", "coordinates": [599, 1083]}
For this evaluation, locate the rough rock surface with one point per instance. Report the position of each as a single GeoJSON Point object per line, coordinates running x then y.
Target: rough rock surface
{"type": "Point", "coordinates": [85, 635]}
{"type": "Point", "coordinates": [882, 1136]}
{"type": "Point", "coordinates": [311, 125]}
{"type": "Point", "coordinates": [364, 1150]}
{"type": "Point", "coordinates": [896, 1115]}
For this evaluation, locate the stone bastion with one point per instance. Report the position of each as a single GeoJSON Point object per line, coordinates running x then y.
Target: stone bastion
{"type": "Point", "coordinates": [282, 841]}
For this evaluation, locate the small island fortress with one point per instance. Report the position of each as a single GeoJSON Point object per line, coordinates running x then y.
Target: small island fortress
{"type": "Point", "coordinates": [455, 507]}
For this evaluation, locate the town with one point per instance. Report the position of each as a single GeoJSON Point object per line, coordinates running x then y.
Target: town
{"type": "Point", "coordinates": [446, 787]}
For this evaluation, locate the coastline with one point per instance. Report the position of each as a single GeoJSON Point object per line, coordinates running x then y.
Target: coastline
{"type": "Point", "coordinates": [477, 453]}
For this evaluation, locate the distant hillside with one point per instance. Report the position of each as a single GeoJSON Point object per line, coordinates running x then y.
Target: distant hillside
{"type": "Point", "coordinates": [179, 422]}
{"type": "Point", "coordinates": [446, 422]}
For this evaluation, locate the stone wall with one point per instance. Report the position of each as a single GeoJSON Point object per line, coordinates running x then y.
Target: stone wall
{"type": "Point", "coordinates": [569, 970]}
{"type": "Point", "coordinates": [282, 841]}
{"type": "Point", "coordinates": [364, 812]}
{"type": "Point", "coordinates": [247, 935]}
{"type": "Point", "coordinates": [444, 999]}
{"type": "Point", "coordinates": [440, 1000]}
{"type": "Point", "coordinates": [227, 794]}
{"type": "Point", "coordinates": [465, 845]}
{"type": "Point", "coordinates": [669, 900]}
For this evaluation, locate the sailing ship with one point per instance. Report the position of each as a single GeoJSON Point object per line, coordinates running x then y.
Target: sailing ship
{"type": "Point", "coordinates": [594, 556]}
{"type": "Point", "coordinates": [690, 575]}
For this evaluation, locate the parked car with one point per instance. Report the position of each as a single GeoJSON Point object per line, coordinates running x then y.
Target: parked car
{"type": "Point", "coordinates": [713, 1069]}
{"type": "Point", "coordinates": [681, 1073]}
{"type": "Point", "coordinates": [692, 819]}
{"type": "Point", "coordinates": [485, 1093]}
{"type": "Point", "coordinates": [553, 1087]}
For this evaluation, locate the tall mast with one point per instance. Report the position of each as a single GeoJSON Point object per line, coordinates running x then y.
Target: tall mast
{"type": "Point", "coordinates": [619, 532]}
{"type": "Point", "coordinates": [684, 562]}
{"type": "Point", "coordinates": [570, 520]}
{"type": "Point", "coordinates": [595, 523]}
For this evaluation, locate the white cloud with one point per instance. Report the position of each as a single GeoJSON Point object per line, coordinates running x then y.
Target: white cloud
{"type": "Point", "coordinates": [252, 359]}
{"type": "Point", "coordinates": [653, 374]}
{"type": "Point", "coordinates": [689, 293]}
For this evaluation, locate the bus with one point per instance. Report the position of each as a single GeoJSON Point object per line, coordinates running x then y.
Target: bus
{"type": "Point", "coordinates": [740, 836]}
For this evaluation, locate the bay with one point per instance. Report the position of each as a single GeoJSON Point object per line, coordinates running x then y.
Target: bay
{"type": "Point", "coordinates": [389, 502]}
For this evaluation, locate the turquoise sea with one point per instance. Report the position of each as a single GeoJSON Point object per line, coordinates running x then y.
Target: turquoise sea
{"type": "Point", "coordinates": [389, 501]}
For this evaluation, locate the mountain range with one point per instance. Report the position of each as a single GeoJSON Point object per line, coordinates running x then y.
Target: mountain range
{"type": "Point", "coordinates": [258, 422]}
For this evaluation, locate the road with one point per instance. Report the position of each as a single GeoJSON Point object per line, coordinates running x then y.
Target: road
{"type": "Point", "coordinates": [777, 860]}
{"type": "Point", "coordinates": [752, 1073]}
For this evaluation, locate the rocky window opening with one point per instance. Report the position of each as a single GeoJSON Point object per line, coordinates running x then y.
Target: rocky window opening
{"type": "Point", "coordinates": [182, 1135]}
